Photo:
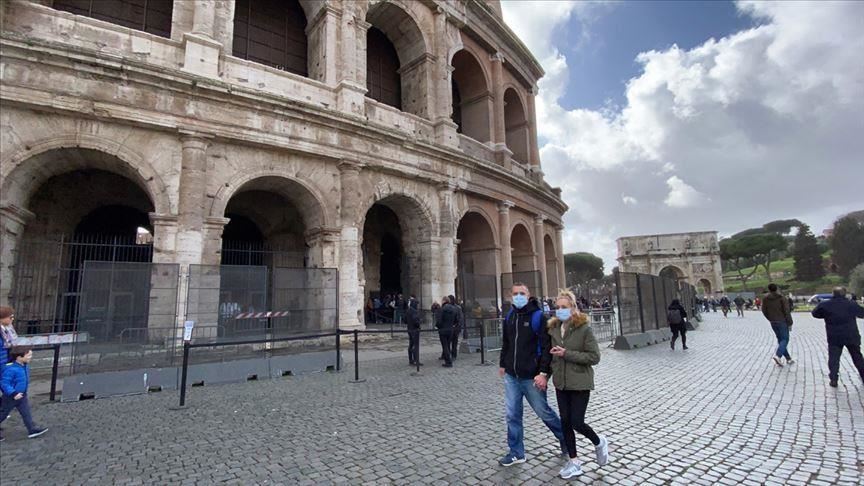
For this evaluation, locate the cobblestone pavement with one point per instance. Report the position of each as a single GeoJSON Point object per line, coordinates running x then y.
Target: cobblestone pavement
{"type": "Point", "coordinates": [720, 413]}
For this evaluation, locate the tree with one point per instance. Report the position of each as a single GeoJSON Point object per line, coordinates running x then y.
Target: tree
{"type": "Point", "coordinates": [847, 244]}
{"type": "Point", "coordinates": [732, 253]}
{"type": "Point", "coordinates": [808, 258]}
{"type": "Point", "coordinates": [582, 266]}
{"type": "Point", "coordinates": [757, 248]}
{"type": "Point", "coordinates": [856, 280]}
{"type": "Point", "coordinates": [764, 247]}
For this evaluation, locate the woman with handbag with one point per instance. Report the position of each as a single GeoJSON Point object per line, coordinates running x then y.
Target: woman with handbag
{"type": "Point", "coordinates": [574, 353]}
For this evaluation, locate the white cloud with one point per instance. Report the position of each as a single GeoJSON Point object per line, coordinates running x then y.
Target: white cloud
{"type": "Point", "coordinates": [682, 195]}
{"type": "Point", "coordinates": [752, 120]}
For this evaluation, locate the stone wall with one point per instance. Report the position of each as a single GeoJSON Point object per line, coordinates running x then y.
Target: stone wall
{"type": "Point", "coordinates": [693, 257]}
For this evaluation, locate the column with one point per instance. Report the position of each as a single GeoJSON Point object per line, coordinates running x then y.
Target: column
{"type": "Point", "coordinates": [193, 184]}
{"type": "Point", "coordinates": [323, 243]}
{"type": "Point", "coordinates": [164, 237]}
{"type": "Point", "coordinates": [351, 91]}
{"type": "Point", "coordinates": [445, 277]}
{"type": "Point", "coordinates": [540, 254]}
{"type": "Point", "coordinates": [323, 38]}
{"type": "Point", "coordinates": [504, 236]}
{"type": "Point", "coordinates": [533, 149]}
{"type": "Point", "coordinates": [499, 136]}
{"type": "Point", "coordinates": [559, 245]}
{"type": "Point", "coordinates": [445, 127]}
{"type": "Point", "coordinates": [13, 220]}
{"type": "Point", "coordinates": [201, 49]}
{"type": "Point", "coordinates": [350, 291]}
{"type": "Point", "coordinates": [212, 248]}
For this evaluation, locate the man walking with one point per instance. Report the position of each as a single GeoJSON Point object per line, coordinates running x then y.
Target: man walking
{"type": "Point", "coordinates": [525, 366]}
{"type": "Point", "coordinates": [457, 327]}
{"type": "Point", "coordinates": [445, 325]}
{"type": "Point", "coordinates": [842, 330]}
{"type": "Point", "coordinates": [776, 309]}
{"type": "Point", "coordinates": [412, 317]}
{"type": "Point", "coordinates": [739, 305]}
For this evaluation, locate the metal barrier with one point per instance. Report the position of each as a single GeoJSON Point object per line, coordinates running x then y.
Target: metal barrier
{"type": "Point", "coordinates": [604, 323]}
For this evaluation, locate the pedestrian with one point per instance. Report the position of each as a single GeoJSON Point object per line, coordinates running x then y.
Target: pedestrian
{"type": "Point", "coordinates": [458, 325]}
{"type": "Point", "coordinates": [445, 326]}
{"type": "Point", "coordinates": [739, 305]}
{"type": "Point", "coordinates": [676, 317]}
{"type": "Point", "coordinates": [725, 306]}
{"type": "Point", "coordinates": [842, 330]}
{"type": "Point", "coordinates": [574, 352]}
{"type": "Point", "coordinates": [776, 309]}
{"type": "Point", "coordinates": [16, 378]}
{"type": "Point", "coordinates": [525, 366]}
{"type": "Point", "coordinates": [7, 334]}
{"type": "Point", "coordinates": [412, 318]}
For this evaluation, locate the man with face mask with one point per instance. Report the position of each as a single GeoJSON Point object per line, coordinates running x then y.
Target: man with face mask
{"type": "Point", "coordinates": [525, 365]}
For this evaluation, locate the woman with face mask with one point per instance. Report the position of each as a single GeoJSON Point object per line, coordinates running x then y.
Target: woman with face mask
{"type": "Point", "coordinates": [574, 353]}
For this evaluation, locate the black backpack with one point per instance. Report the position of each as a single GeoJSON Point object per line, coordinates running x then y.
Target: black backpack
{"type": "Point", "coordinates": [674, 316]}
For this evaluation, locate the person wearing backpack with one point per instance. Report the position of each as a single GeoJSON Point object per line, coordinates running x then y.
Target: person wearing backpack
{"type": "Point", "coordinates": [676, 316]}
{"type": "Point", "coordinates": [525, 366]}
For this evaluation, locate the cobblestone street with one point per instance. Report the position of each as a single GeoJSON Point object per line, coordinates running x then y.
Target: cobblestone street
{"type": "Point", "coordinates": [719, 413]}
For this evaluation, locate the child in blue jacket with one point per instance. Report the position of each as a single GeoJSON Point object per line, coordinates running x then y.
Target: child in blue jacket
{"type": "Point", "coordinates": [16, 379]}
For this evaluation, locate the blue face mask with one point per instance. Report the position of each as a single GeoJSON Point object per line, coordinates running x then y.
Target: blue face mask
{"type": "Point", "coordinates": [563, 314]}
{"type": "Point", "coordinates": [520, 300]}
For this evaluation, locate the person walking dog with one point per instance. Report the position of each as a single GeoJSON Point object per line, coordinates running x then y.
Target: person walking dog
{"type": "Point", "coordinates": [842, 330]}
{"type": "Point", "coordinates": [574, 353]}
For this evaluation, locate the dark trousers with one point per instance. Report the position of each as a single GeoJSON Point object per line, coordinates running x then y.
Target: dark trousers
{"type": "Point", "coordinates": [413, 346]}
{"type": "Point", "coordinates": [572, 405]}
{"type": "Point", "coordinates": [454, 343]}
{"type": "Point", "coordinates": [679, 329]}
{"type": "Point", "coordinates": [23, 406]}
{"type": "Point", "coordinates": [834, 352]}
{"type": "Point", "coordinates": [445, 346]}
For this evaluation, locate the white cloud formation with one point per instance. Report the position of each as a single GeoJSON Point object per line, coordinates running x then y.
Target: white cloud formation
{"type": "Point", "coordinates": [753, 120]}
{"type": "Point", "coordinates": [682, 195]}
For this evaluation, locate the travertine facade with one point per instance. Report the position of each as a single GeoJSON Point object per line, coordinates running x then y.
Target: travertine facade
{"type": "Point", "coordinates": [179, 129]}
{"type": "Point", "coordinates": [692, 257]}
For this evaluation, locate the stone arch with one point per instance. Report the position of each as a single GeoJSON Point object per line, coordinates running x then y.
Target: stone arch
{"type": "Point", "coordinates": [516, 125]}
{"type": "Point", "coordinates": [273, 33]}
{"type": "Point", "coordinates": [394, 25]}
{"type": "Point", "coordinates": [29, 168]}
{"type": "Point", "coordinates": [472, 98]}
{"type": "Point", "coordinates": [705, 284]}
{"type": "Point", "coordinates": [476, 253]}
{"type": "Point", "coordinates": [522, 246]}
{"type": "Point", "coordinates": [492, 222]}
{"type": "Point", "coordinates": [672, 272]}
{"type": "Point", "coordinates": [297, 189]}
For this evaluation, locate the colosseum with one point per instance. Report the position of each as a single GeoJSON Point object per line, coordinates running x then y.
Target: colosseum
{"type": "Point", "coordinates": [393, 142]}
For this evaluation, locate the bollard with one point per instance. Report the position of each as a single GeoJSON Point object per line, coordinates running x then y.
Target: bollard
{"type": "Point", "coordinates": [338, 350]}
{"type": "Point", "coordinates": [183, 374]}
{"type": "Point", "coordinates": [482, 344]}
{"type": "Point", "coordinates": [356, 358]}
{"type": "Point", "coordinates": [54, 372]}
{"type": "Point", "coordinates": [416, 373]}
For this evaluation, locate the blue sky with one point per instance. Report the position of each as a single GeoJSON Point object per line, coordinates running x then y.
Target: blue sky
{"type": "Point", "coordinates": [602, 55]}
{"type": "Point", "coordinates": [662, 117]}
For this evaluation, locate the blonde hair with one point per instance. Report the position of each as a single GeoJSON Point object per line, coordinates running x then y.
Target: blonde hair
{"type": "Point", "coordinates": [577, 318]}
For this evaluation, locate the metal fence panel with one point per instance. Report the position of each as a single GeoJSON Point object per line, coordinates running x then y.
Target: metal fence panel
{"type": "Point", "coordinates": [306, 300]}
{"type": "Point", "coordinates": [127, 313]}
{"type": "Point", "coordinates": [629, 309]}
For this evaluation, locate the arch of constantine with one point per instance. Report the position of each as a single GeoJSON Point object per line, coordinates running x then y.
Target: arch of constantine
{"type": "Point", "coordinates": [691, 257]}
{"type": "Point", "coordinates": [393, 140]}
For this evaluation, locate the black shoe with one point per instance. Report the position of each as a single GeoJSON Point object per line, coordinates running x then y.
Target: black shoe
{"type": "Point", "coordinates": [418, 364]}
{"type": "Point", "coordinates": [672, 345]}
{"type": "Point", "coordinates": [37, 433]}
{"type": "Point", "coordinates": [833, 384]}
{"type": "Point", "coordinates": [447, 365]}
{"type": "Point", "coordinates": [685, 347]}
{"type": "Point", "coordinates": [441, 358]}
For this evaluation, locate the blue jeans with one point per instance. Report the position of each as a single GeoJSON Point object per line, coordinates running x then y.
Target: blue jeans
{"type": "Point", "coordinates": [781, 330]}
{"type": "Point", "coordinates": [23, 406]}
{"type": "Point", "coordinates": [514, 390]}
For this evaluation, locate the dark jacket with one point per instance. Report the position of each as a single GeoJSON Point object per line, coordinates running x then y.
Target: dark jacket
{"type": "Point", "coordinates": [840, 326]}
{"type": "Point", "coordinates": [412, 318]}
{"type": "Point", "coordinates": [680, 308]}
{"type": "Point", "coordinates": [449, 318]}
{"type": "Point", "coordinates": [524, 348]}
{"type": "Point", "coordinates": [16, 379]}
{"type": "Point", "coordinates": [775, 308]}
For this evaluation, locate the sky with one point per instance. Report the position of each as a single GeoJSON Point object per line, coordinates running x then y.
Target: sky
{"type": "Point", "coordinates": [661, 117]}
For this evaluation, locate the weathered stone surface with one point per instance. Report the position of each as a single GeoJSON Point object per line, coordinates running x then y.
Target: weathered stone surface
{"type": "Point", "coordinates": [691, 257]}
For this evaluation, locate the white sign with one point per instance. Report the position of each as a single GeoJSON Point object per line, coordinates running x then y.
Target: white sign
{"type": "Point", "coordinates": [47, 339]}
{"type": "Point", "coordinates": [187, 330]}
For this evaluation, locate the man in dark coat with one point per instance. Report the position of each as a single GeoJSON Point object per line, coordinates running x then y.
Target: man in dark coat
{"type": "Point", "coordinates": [842, 330]}
{"type": "Point", "coordinates": [776, 309]}
{"type": "Point", "coordinates": [412, 317]}
{"type": "Point", "coordinates": [457, 328]}
{"type": "Point", "coordinates": [449, 319]}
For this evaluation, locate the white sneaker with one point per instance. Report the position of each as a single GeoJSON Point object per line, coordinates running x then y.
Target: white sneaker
{"type": "Point", "coordinates": [570, 470]}
{"type": "Point", "coordinates": [602, 451]}
{"type": "Point", "coordinates": [777, 361]}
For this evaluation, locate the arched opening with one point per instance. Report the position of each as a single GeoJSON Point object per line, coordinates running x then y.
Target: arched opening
{"type": "Point", "coordinates": [396, 63]}
{"type": "Point", "coordinates": [523, 250]}
{"type": "Point", "coordinates": [472, 102]}
{"type": "Point", "coordinates": [672, 272]}
{"type": "Point", "coordinates": [395, 240]}
{"type": "Point", "coordinates": [516, 126]}
{"type": "Point", "coordinates": [271, 32]}
{"type": "Point", "coordinates": [152, 16]}
{"type": "Point", "coordinates": [705, 285]}
{"type": "Point", "coordinates": [552, 279]}
{"type": "Point", "coordinates": [476, 273]}
{"type": "Point", "coordinates": [81, 216]}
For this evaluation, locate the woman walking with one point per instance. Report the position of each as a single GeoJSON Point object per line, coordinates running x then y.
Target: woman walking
{"type": "Point", "coordinates": [574, 353]}
{"type": "Point", "coordinates": [676, 316]}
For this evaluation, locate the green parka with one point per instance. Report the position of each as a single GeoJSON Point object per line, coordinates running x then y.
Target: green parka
{"type": "Point", "coordinates": [574, 371]}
